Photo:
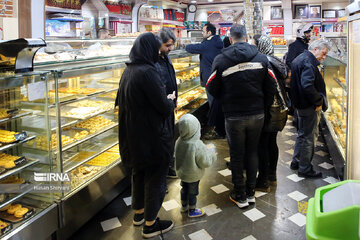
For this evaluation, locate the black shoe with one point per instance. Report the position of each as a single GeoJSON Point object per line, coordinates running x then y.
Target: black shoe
{"type": "Point", "coordinates": [228, 165]}
{"type": "Point", "coordinates": [262, 186]}
{"type": "Point", "coordinates": [158, 228]}
{"type": "Point", "coordinates": [172, 173]}
{"type": "Point", "coordinates": [272, 179]}
{"type": "Point", "coordinates": [294, 165]}
{"type": "Point", "coordinates": [138, 219]}
{"type": "Point", "coordinates": [310, 174]}
{"type": "Point", "coordinates": [240, 200]}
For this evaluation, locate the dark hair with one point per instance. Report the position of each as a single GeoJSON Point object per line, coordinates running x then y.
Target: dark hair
{"type": "Point", "coordinates": [238, 32]}
{"type": "Point", "coordinates": [256, 39]}
{"type": "Point", "coordinates": [210, 27]}
{"type": "Point", "coordinates": [166, 34]}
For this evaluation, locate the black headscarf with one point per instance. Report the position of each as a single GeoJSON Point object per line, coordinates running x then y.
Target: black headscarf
{"type": "Point", "coordinates": [145, 49]}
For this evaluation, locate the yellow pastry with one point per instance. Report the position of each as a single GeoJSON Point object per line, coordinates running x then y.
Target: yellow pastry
{"type": "Point", "coordinates": [14, 208]}
{"type": "Point", "coordinates": [20, 212]}
{"type": "Point", "coordinates": [3, 224]}
{"type": "Point", "coordinates": [5, 208]}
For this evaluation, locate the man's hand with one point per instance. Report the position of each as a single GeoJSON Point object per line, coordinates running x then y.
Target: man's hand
{"type": "Point", "coordinates": [171, 96]}
{"type": "Point", "coordinates": [318, 108]}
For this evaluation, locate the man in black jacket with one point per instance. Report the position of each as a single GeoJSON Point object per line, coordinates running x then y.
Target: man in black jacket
{"type": "Point", "coordinates": [308, 94]}
{"type": "Point", "coordinates": [242, 81]}
{"type": "Point", "coordinates": [167, 76]}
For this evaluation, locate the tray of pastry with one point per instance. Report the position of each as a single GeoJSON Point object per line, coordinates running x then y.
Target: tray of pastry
{"type": "Point", "coordinates": [5, 227]}
{"type": "Point", "coordinates": [7, 137]}
{"type": "Point", "coordinates": [81, 91]}
{"type": "Point", "coordinates": [16, 212]}
{"type": "Point", "coordinates": [8, 162]}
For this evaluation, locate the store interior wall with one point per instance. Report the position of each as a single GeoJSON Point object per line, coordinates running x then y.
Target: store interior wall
{"type": "Point", "coordinates": [10, 26]}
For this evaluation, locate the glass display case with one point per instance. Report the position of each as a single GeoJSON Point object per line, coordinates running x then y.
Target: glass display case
{"type": "Point", "coordinates": [24, 193]}
{"type": "Point", "coordinates": [84, 133]}
{"type": "Point", "coordinates": [280, 50]}
{"type": "Point", "coordinates": [353, 131]}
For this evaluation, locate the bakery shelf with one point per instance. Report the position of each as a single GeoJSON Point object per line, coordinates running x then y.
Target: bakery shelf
{"type": "Point", "coordinates": [28, 189]}
{"type": "Point", "coordinates": [187, 69]}
{"type": "Point", "coordinates": [18, 169]}
{"type": "Point", "coordinates": [340, 83]}
{"type": "Point", "coordinates": [334, 135]}
{"type": "Point", "coordinates": [194, 85]}
{"type": "Point", "coordinates": [101, 131]}
{"type": "Point", "coordinates": [62, 10]}
{"type": "Point", "coordinates": [71, 167]}
{"type": "Point", "coordinates": [23, 114]}
{"type": "Point", "coordinates": [192, 101]}
{"type": "Point", "coordinates": [11, 145]}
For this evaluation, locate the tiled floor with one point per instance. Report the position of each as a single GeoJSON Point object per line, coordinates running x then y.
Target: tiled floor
{"type": "Point", "coordinates": [280, 214]}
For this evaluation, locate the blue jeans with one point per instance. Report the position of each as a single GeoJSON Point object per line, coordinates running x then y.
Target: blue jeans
{"type": "Point", "coordinates": [308, 132]}
{"type": "Point", "coordinates": [188, 194]}
{"type": "Point", "coordinates": [243, 134]}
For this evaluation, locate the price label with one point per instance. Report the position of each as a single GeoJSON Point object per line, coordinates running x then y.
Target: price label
{"type": "Point", "coordinates": [36, 91]}
{"type": "Point", "coordinates": [20, 161]}
{"type": "Point", "coordinates": [20, 136]}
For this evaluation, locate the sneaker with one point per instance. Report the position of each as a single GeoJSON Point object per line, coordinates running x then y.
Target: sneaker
{"type": "Point", "coordinates": [251, 199]}
{"type": "Point", "coordinates": [240, 201]}
{"type": "Point", "coordinates": [158, 228]}
{"type": "Point", "coordinates": [262, 186]}
{"type": "Point", "coordinates": [197, 212]}
{"type": "Point", "coordinates": [294, 165]}
{"type": "Point", "coordinates": [172, 173]}
{"type": "Point", "coordinates": [184, 208]}
{"type": "Point", "coordinates": [310, 174]}
{"type": "Point", "coordinates": [138, 219]}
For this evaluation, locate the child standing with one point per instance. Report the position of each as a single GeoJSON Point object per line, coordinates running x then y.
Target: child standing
{"type": "Point", "coordinates": [191, 157]}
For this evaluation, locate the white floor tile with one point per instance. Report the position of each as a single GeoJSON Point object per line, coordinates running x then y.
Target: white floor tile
{"type": "Point", "coordinates": [211, 209]}
{"type": "Point", "coordinates": [259, 194]}
{"type": "Point", "coordinates": [297, 196]}
{"type": "Point", "coordinates": [227, 159]}
{"type": "Point", "coordinates": [298, 219]}
{"type": "Point", "coordinates": [294, 177]}
{"type": "Point", "coordinates": [219, 188]}
{"type": "Point", "coordinates": [291, 142]}
{"type": "Point", "coordinates": [226, 172]}
{"type": "Point", "coordinates": [127, 201]}
{"type": "Point", "coordinates": [251, 237]}
{"type": "Point", "coordinates": [110, 224]}
{"type": "Point", "coordinates": [326, 165]}
{"type": "Point", "coordinates": [200, 235]}
{"type": "Point", "coordinates": [171, 204]}
{"type": "Point", "coordinates": [331, 180]}
{"type": "Point", "coordinates": [290, 134]}
{"type": "Point", "coordinates": [254, 214]}
{"type": "Point", "coordinates": [291, 152]}
{"type": "Point", "coordinates": [321, 153]}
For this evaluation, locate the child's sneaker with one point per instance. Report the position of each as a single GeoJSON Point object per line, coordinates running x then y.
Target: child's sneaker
{"type": "Point", "coordinates": [239, 200]}
{"type": "Point", "coordinates": [138, 219]}
{"type": "Point", "coordinates": [197, 212]}
{"type": "Point", "coordinates": [184, 208]}
{"type": "Point", "coordinates": [158, 228]}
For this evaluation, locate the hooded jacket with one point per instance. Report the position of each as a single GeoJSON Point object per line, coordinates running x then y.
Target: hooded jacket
{"type": "Point", "coordinates": [191, 154]}
{"type": "Point", "coordinates": [308, 88]}
{"type": "Point", "coordinates": [242, 80]}
{"type": "Point", "coordinates": [295, 49]}
{"type": "Point", "coordinates": [143, 108]}
{"type": "Point", "coordinates": [208, 50]}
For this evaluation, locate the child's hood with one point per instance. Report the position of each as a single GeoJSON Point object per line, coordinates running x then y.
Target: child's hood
{"type": "Point", "coordinates": [189, 127]}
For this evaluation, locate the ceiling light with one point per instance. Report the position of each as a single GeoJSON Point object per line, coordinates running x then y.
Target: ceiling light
{"type": "Point", "coordinates": [210, 0]}
{"type": "Point", "coordinates": [193, 1]}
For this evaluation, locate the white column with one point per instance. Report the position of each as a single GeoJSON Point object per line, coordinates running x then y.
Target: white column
{"type": "Point", "coordinates": [38, 18]}
{"type": "Point", "coordinates": [288, 24]}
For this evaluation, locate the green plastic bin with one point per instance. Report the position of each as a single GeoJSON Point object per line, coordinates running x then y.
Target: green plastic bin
{"type": "Point", "coordinates": [342, 224]}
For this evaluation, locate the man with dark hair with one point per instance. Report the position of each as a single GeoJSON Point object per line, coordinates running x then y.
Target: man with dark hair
{"type": "Point", "coordinates": [208, 49]}
{"type": "Point", "coordinates": [242, 80]}
{"type": "Point", "coordinates": [167, 76]}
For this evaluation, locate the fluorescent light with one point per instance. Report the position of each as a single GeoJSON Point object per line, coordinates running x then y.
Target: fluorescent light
{"type": "Point", "coordinates": [210, 0]}
{"type": "Point", "coordinates": [193, 1]}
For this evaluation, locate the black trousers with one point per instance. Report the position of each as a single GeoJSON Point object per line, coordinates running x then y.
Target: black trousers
{"type": "Point", "coordinates": [148, 189]}
{"type": "Point", "coordinates": [243, 135]}
{"type": "Point", "coordinates": [170, 123]}
{"type": "Point", "coordinates": [268, 155]}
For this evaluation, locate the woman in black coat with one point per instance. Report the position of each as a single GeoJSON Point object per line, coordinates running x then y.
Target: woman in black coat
{"type": "Point", "coordinates": [275, 118]}
{"type": "Point", "coordinates": [144, 139]}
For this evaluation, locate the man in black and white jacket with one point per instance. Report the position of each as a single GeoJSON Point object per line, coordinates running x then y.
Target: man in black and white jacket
{"type": "Point", "coordinates": [242, 79]}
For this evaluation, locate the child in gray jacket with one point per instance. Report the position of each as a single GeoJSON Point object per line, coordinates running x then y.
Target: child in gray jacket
{"type": "Point", "coordinates": [191, 158]}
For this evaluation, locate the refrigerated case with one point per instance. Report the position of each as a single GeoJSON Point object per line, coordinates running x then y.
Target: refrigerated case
{"type": "Point", "coordinates": [353, 131]}
{"type": "Point", "coordinates": [85, 135]}
{"type": "Point", "coordinates": [24, 117]}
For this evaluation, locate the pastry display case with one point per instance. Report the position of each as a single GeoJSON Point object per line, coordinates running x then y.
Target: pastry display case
{"type": "Point", "coordinates": [23, 198]}
{"type": "Point", "coordinates": [84, 133]}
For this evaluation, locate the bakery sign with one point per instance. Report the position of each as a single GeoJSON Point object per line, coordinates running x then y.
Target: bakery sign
{"type": "Point", "coordinates": [6, 8]}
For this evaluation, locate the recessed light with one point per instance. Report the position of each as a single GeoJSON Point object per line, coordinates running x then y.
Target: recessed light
{"type": "Point", "coordinates": [210, 0]}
